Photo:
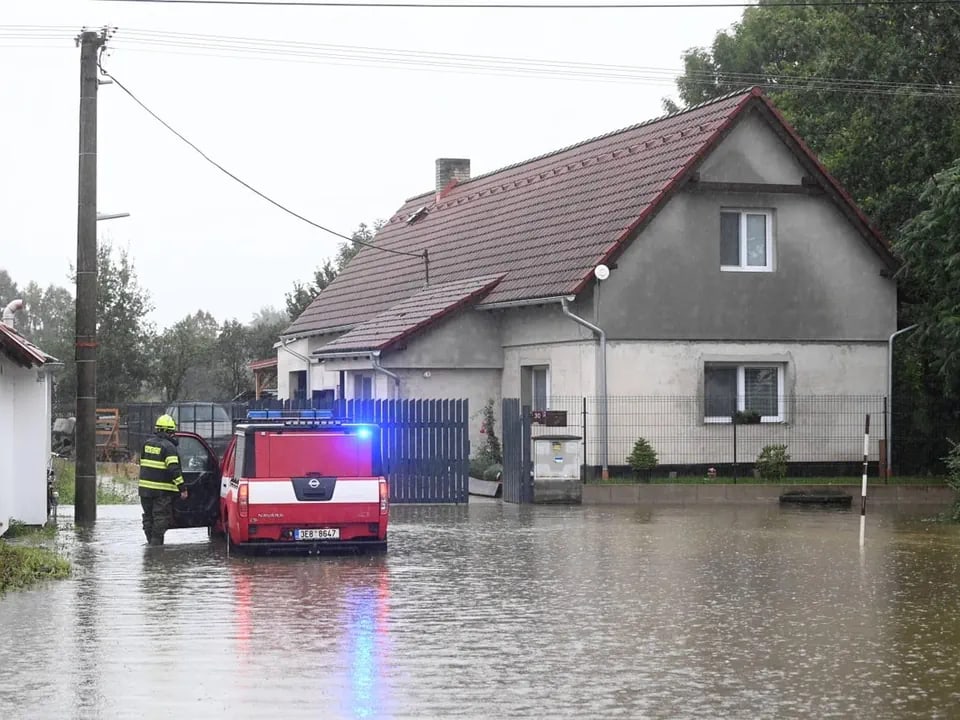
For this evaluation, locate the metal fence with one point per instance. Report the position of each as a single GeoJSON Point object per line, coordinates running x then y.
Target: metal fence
{"type": "Point", "coordinates": [823, 434]}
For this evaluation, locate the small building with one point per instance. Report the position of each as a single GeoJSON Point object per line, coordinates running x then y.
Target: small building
{"type": "Point", "coordinates": [26, 385]}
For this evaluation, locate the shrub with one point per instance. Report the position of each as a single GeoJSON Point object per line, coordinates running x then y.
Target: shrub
{"type": "Point", "coordinates": [643, 457]}
{"type": "Point", "coordinates": [493, 472]}
{"type": "Point", "coordinates": [772, 462]}
{"type": "Point", "coordinates": [491, 451]}
{"type": "Point", "coordinates": [952, 461]}
{"type": "Point", "coordinates": [477, 467]}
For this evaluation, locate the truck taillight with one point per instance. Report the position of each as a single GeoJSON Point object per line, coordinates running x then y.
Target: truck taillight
{"type": "Point", "coordinates": [243, 499]}
{"type": "Point", "coordinates": [384, 497]}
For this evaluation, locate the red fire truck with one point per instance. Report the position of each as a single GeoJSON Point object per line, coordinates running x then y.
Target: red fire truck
{"type": "Point", "coordinates": [304, 483]}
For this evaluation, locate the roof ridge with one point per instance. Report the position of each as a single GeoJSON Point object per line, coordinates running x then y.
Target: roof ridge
{"type": "Point", "coordinates": [603, 136]}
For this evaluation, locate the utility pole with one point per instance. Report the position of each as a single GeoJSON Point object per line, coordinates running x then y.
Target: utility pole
{"type": "Point", "coordinates": [86, 332]}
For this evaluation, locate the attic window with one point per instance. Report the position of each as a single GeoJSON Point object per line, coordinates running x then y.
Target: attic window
{"type": "Point", "coordinates": [417, 214]}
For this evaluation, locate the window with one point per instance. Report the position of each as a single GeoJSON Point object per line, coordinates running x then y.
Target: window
{"type": "Point", "coordinates": [728, 388]}
{"type": "Point", "coordinates": [362, 387]}
{"type": "Point", "coordinates": [746, 240]}
{"type": "Point", "coordinates": [298, 385]}
{"type": "Point", "coordinates": [535, 386]}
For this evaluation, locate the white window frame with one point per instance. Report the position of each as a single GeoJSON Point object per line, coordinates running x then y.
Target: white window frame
{"type": "Point", "coordinates": [743, 267]}
{"type": "Point", "coordinates": [741, 393]}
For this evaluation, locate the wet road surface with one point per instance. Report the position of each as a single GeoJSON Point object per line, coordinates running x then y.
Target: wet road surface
{"type": "Point", "coordinates": [496, 611]}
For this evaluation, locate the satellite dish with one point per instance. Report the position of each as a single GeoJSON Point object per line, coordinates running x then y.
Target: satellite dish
{"type": "Point", "coordinates": [602, 272]}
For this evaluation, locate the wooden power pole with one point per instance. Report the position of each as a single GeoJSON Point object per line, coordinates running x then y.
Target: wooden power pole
{"type": "Point", "coordinates": [86, 332]}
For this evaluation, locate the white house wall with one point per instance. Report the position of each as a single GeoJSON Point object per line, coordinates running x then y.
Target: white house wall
{"type": "Point", "coordinates": [25, 425]}
{"type": "Point", "coordinates": [656, 391]}
{"type": "Point", "coordinates": [288, 361]}
{"type": "Point", "coordinates": [7, 446]}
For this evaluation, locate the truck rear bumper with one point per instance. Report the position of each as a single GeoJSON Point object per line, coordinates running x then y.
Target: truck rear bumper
{"type": "Point", "coordinates": [318, 547]}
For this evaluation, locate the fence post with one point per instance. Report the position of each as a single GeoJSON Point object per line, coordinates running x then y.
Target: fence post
{"type": "Point", "coordinates": [583, 464]}
{"type": "Point", "coordinates": [734, 422]}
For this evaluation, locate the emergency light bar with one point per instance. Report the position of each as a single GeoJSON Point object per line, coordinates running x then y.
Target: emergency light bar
{"type": "Point", "coordinates": [307, 419]}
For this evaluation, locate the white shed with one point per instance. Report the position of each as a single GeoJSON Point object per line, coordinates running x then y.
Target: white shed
{"type": "Point", "coordinates": [26, 385]}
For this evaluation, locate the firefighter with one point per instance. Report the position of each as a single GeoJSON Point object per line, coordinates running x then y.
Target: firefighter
{"type": "Point", "coordinates": [160, 479]}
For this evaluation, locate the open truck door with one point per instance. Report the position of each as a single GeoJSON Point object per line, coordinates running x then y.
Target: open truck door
{"type": "Point", "coordinates": [201, 477]}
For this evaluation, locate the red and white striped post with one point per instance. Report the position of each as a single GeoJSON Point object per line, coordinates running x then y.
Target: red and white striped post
{"type": "Point", "coordinates": [866, 455]}
{"type": "Point", "coordinates": [863, 487]}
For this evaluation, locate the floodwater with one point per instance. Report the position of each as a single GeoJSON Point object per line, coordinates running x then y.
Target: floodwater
{"type": "Point", "coordinates": [496, 611]}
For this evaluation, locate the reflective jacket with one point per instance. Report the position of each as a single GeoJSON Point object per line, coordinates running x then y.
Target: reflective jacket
{"type": "Point", "coordinates": [160, 465]}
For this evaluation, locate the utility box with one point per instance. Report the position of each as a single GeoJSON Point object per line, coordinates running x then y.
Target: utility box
{"type": "Point", "coordinates": [557, 460]}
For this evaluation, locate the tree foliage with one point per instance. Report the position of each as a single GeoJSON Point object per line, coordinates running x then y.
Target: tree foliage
{"type": "Point", "coordinates": [304, 293]}
{"type": "Point", "coordinates": [930, 249]}
{"type": "Point", "coordinates": [124, 334]}
{"type": "Point", "coordinates": [882, 144]}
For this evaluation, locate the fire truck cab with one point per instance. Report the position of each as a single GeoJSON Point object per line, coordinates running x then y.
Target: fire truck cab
{"type": "Point", "coordinates": [309, 483]}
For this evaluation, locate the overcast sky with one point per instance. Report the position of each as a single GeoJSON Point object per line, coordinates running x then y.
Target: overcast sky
{"type": "Point", "coordinates": [340, 142]}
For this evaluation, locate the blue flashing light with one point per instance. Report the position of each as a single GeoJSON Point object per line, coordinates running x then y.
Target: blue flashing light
{"type": "Point", "coordinates": [364, 432]}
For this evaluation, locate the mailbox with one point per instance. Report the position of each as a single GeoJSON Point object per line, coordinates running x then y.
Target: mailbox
{"type": "Point", "coordinates": [557, 460]}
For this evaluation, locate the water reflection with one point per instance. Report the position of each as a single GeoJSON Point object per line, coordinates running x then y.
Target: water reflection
{"type": "Point", "coordinates": [495, 610]}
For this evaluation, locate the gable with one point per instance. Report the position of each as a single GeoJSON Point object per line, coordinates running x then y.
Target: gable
{"type": "Point", "coordinates": [751, 152]}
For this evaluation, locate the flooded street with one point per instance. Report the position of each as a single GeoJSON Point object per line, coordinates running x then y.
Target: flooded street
{"type": "Point", "coordinates": [495, 610]}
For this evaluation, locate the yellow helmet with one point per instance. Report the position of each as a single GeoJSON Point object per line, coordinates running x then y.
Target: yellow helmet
{"type": "Point", "coordinates": [165, 423]}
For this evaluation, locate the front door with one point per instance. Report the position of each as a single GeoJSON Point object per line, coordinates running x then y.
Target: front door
{"type": "Point", "coordinates": [201, 476]}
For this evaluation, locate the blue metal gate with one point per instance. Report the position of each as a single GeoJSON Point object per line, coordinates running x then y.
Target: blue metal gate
{"type": "Point", "coordinates": [424, 446]}
{"type": "Point", "coordinates": [517, 466]}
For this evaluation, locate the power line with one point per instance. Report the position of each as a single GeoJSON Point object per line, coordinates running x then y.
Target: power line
{"type": "Point", "coordinates": [204, 45]}
{"type": "Point", "coordinates": [541, 6]}
{"type": "Point", "coordinates": [246, 184]}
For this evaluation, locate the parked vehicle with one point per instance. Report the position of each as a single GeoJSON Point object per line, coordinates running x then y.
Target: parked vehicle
{"type": "Point", "coordinates": [210, 421]}
{"type": "Point", "coordinates": [288, 484]}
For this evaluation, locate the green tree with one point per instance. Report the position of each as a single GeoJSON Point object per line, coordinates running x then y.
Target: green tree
{"type": "Point", "coordinates": [124, 335]}
{"type": "Point", "coordinates": [49, 324]}
{"type": "Point", "coordinates": [233, 354]}
{"type": "Point", "coordinates": [264, 330]}
{"type": "Point", "coordinates": [185, 355]}
{"type": "Point", "coordinates": [822, 66]}
{"type": "Point", "coordinates": [303, 294]}
{"type": "Point", "coordinates": [930, 249]}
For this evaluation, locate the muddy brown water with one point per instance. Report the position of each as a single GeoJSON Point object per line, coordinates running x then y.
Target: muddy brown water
{"type": "Point", "coordinates": [495, 611]}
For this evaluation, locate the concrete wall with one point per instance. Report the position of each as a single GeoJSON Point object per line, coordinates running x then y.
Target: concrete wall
{"type": "Point", "coordinates": [656, 391]}
{"type": "Point", "coordinates": [25, 422]}
{"type": "Point", "coordinates": [467, 339]}
{"type": "Point", "coordinates": [825, 285]}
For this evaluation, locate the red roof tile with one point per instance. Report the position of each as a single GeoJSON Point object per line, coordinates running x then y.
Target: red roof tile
{"type": "Point", "coordinates": [543, 224]}
{"type": "Point", "coordinates": [21, 350]}
{"type": "Point", "coordinates": [408, 316]}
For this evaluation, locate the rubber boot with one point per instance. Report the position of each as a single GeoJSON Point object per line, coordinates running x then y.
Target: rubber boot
{"type": "Point", "coordinates": [156, 540]}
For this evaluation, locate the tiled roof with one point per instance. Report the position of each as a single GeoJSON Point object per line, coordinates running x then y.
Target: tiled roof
{"type": "Point", "coordinates": [543, 224]}
{"type": "Point", "coordinates": [407, 316]}
{"type": "Point", "coordinates": [21, 350]}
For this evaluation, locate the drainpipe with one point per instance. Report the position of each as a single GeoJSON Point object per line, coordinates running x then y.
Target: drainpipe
{"type": "Point", "coordinates": [283, 345]}
{"type": "Point", "coordinates": [890, 396]}
{"type": "Point", "coordinates": [375, 359]}
{"type": "Point", "coordinates": [604, 472]}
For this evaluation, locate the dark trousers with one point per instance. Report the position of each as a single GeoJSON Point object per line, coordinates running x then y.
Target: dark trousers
{"type": "Point", "coordinates": [157, 514]}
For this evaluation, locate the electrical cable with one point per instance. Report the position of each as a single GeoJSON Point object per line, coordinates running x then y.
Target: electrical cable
{"type": "Point", "coordinates": [538, 6]}
{"type": "Point", "coordinates": [246, 184]}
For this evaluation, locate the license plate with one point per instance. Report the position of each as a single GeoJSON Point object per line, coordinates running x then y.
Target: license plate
{"type": "Point", "coordinates": [317, 534]}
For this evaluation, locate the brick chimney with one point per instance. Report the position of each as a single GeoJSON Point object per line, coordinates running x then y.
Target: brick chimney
{"type": "Point", "coordinates": [451, 169]}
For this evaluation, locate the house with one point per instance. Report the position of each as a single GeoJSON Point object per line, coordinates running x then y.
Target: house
{"type": "Point", "coordinates": [706, 255]}
{"type": "Point", "coordinates": [26, 386]}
